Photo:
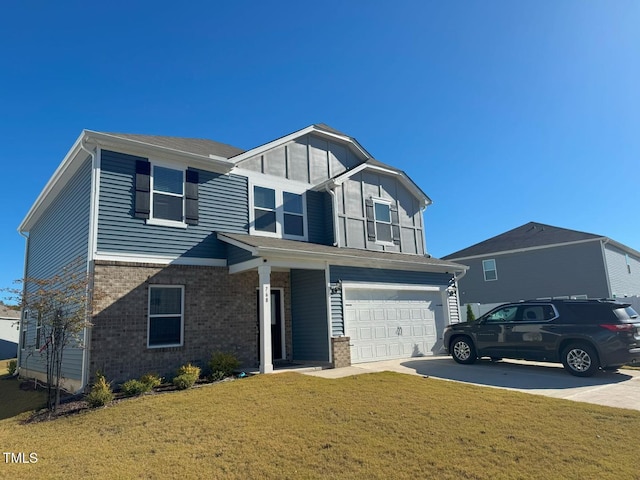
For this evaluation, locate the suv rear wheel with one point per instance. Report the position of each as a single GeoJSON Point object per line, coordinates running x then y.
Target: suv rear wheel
{"type": "Point", "coordinates": [580, 359]}
{"type": "Point", "coordinates": [463, 351]}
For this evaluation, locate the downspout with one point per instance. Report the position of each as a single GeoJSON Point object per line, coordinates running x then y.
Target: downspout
{"type": "Point", "coordinates": [24, 291]}
{"type": "Point", "coordinates": [89, 270]}
{"type": "Point", "coordinates": [334, 208]}
{"type": "Point", "coordinates": [606, 269]}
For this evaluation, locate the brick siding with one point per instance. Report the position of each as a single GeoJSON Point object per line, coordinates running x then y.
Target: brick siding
{"type": "Point", "coordinates": [341, 351]}
{"type": "Point", "coordinates": [220, 314]}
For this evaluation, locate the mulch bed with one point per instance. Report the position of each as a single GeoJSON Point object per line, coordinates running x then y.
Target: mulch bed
{"type": "Point", "coordinates": [75, 404]}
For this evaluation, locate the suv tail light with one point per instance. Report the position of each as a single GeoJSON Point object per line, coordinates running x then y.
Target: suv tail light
{"type": "Point", "coordinates": [619, 327]}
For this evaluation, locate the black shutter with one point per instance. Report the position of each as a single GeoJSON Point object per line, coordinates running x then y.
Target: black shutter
{"type": "Point", "coordinates": [371, 222]}
{"type": "Point", "coordinates": [191, 198]}
{"type": "Point", "coordinates": [143, 193]}
{"type": "Point", "coordinates": [395, 224]}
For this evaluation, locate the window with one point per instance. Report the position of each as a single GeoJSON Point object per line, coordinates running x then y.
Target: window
{"type": "Point", "coordinates": [264, 213]}
{"type": "Point", "coordinates": [382, 212]}
{"type": "Point", "coordinates": [489, 269]}
{"type": "Point", "coordinates": [506, 314]}
{"type": "Point", "coordinates": [293, 216]}
{"type": "Point", "coordinates": [38, 331]}
{"type": "Point", "coordinates": [166, 313]}
{"type": "Point", "coordinates": [168, 194]}
{"type": "Point", "coordinates": [278, 213]}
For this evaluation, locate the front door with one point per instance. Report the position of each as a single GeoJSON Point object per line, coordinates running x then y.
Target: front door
{"type": "Point", "coordinates": [276, 324]}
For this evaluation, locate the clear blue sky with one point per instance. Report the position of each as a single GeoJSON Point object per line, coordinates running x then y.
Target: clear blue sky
{"type": "Point", "coordinates": [504, 112]}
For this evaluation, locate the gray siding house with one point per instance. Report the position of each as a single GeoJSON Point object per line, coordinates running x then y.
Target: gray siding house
{"type": "Point", "coordinates": [537, 261]}
{"type": "Point", "coordinates": [8, 332]}
{"type": "Point", "coordinates": [305, 249]}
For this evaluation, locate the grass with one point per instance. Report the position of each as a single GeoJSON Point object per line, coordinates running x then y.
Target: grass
{"type": "Point", "coordinates": [382, 425]}
{"type": "Point", "coordinates": [14, 401]}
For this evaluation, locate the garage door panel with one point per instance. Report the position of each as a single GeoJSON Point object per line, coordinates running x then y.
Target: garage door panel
{"type": "Point", "coordinates": [381, 332]}
{"type": "Point", "coordinates": [390, 324]}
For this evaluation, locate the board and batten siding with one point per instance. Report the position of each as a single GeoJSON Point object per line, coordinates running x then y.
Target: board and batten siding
{"type": "Point", "coordinates": [309, 159]}
{"type": "Point", "coordinates": [59, 238]}
{"type": "Point", "coordinates": [352, 221]}
{"type": "Point", "coordinates": [338, 273]}
{"type": "Point", "coordinates": [309, 315]}
{"type": "Point", "coordinates": [223, 207]}
{"type": "Point", "coordinates": [624, 272]}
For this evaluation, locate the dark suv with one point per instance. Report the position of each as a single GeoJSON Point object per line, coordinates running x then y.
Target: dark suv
{"type": "Point", "coordinates": [584, 335]}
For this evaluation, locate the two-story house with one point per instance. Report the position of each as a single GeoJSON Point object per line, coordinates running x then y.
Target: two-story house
{"type": "Point", "coordinates": [304, 249]}
{"type": "Point", "coordinates": [536, 260]}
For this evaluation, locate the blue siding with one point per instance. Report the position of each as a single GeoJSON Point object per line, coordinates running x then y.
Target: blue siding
{"type": "Point", "coordinates": [319, 217]}
{"type": "Point", "coordinates": [237, 255]}
{"type": "Point", "coordinates": [60, 237]}
{"type": "Point", "coordinates": [372, 275]}
{"type": "Point", "coordinates": [309, 315]}
{"type": "Point", "coordinates": [223, 206]}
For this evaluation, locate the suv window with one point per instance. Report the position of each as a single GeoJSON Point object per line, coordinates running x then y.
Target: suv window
{"type": "Point", "coordinates": [532, 313]}
{"type": "Point", "coordinates": [504, 314]}
{"type": "Point", "coordinates": [589, 313]}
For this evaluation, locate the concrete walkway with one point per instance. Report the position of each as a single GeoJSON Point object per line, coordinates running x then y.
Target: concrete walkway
{"type": "Point", "coordinates": [614, 389]}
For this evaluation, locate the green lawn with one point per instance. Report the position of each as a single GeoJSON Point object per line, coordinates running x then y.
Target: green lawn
{"type": "Point", "coordinates": [14, 401]}
{"type": "Point", "coordinates": [382, 425]}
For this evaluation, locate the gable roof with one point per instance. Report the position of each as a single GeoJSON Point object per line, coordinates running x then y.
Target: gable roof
{"type": "Point", "coordinates": [197, 146]}
{"type": "Point", "coordinates": [529, 235]}
{"type": "Point", "coordinates": [320, 129]}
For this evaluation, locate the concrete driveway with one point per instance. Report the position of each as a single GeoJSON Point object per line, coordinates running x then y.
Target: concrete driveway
{"type": "Point", "coordinates": [614, 389]}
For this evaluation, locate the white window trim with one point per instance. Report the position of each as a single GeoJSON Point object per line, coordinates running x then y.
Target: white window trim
{"type": "Point", "coordinates": [279, 190]}
{"type": "Point", "coordinates": [387, 202]}
{"type": "Point", "coordinates": [162, 221]}
{"type": "Point", "coordinates": [485, 270]}
{"type": "Point", "coordinates": [168, 345]}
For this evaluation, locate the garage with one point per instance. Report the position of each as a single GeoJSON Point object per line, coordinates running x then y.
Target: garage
{"type": "Point", "coordinates": [386, 323]}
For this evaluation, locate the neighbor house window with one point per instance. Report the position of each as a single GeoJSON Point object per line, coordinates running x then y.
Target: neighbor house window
{"type": "Point", "coordinates": [382, 212]}
{"type": "Point", "coordinates": [489, 269]}
{"type": "Point", "coordinates": [278, 213]}
{"type": "Point", "coordinates": [168, 194]}
{"type": "Point", "coordinates": [166, 315]}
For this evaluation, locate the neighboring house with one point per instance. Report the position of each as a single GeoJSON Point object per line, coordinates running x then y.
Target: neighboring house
{"type": "Point", "coordinates": [537, 261]}
{"type": "Point", "coordinates": [8, 332]}
{"type": "Point", "coordinates": [304, 249]}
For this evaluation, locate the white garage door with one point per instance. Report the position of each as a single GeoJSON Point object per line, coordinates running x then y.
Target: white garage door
{"type": "Point", "coordinates": [385, 324]}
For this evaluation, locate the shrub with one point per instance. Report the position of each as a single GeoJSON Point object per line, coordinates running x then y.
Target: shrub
{"type": "Point", "coordinates": [222, 365]}
{"type": "Point", "coordinates": [187, 376]}
{"type": "Point", "coordinates": [151, 380]}
{"type": "Point", "coordinates": [132, 388]}
{"type": "Point", "coordinates": [12, 366]}
{"type": "Point", "coordinates": [101, 393]}
{"type": "Point", "coordinates": [470, 315]}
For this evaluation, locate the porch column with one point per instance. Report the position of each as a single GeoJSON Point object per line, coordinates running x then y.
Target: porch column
{"type": "Point", "coordinates": [266, 357]}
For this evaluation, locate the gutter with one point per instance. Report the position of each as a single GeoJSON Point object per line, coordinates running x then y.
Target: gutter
{"type": "Point", "coordinates": [334, 208]}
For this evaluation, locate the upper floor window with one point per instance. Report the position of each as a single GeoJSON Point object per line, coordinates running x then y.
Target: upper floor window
{"type": "Point", "coordinates": [278, 213]}
{"type": "Point", "coordinates": [168, 194]}
{"type": "Point", "coordinates": [383, 224]}
{"type": "Point", "coordinates": [489, 269]}
{"type": "Point", "coordinates": [382, 212]}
